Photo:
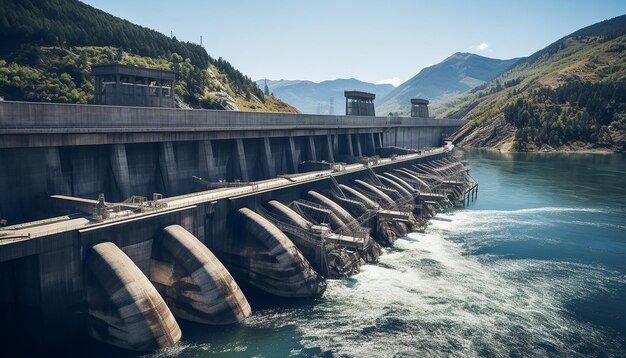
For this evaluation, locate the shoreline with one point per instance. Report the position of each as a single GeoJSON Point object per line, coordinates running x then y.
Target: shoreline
{"type": "Point", "coordinates": [556, 151]}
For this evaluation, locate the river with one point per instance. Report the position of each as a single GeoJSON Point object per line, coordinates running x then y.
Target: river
{"type": "Point", "coordinates": [536, 266]}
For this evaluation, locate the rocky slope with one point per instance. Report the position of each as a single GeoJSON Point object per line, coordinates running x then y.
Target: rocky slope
{"type": "Point", "coordinates": [495, 133]}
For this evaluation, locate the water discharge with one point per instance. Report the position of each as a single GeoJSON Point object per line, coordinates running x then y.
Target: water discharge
{"type": "Point", "coordinates": [429, 297]}
{"type": "Point", "coordinates": [535, 267]}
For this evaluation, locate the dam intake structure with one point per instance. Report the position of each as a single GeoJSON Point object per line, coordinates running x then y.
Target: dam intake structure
{"type": "Point", "coordinates": [208, 210]}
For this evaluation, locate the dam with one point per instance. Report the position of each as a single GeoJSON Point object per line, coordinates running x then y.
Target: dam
{"type": "Point", "coordinates": [122, 220]}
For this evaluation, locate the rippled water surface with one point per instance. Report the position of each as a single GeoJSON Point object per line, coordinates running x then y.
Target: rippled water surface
{"type": "Point", "coordinates": [535, 266]}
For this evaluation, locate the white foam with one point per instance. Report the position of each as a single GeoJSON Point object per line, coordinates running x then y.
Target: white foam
{"type": "Point", "coordinates": [430, 298]}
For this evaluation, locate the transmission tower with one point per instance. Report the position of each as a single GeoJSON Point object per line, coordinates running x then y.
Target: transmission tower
{"type": "Point", "coordinates": [331, 107]}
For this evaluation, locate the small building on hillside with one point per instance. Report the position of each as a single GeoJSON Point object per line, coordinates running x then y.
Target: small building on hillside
{"type": "Point", "coordinates": [121, 85]}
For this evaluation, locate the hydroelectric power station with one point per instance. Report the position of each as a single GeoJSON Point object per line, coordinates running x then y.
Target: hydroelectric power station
{"type": "Point", "coordinates": [121, 220]}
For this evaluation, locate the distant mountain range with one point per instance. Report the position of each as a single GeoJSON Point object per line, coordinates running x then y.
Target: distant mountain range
{"type": "Point", "coordinates": [456, 74]}
{"type": "Point", "coordinates": [312, 97]}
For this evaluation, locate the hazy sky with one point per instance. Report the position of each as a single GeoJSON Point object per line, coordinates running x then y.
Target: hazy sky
{"type": "Point", "coordinates": [374, 41]}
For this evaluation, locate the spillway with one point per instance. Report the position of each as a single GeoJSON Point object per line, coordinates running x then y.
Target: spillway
{"type": "Point", "coordinates": [125, 310]}
{"type": "Point", "coordinates": [272, 263]}
{"type": "Point", "coordinates": [193, 282]}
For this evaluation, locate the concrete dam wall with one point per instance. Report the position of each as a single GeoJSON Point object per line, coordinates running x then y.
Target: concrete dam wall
{"type": "Point", "coordinates": [125, 271]}
{"type": "Point", "coordinates": [84, 150]}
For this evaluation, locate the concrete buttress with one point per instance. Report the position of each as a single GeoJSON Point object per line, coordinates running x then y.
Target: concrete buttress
{"type": "Point", "coordinates": [291, 155]}
{"type": "Point", "coordinates": [169, 170]}
{"type": "Point", "coordinates": [357, 145]}
{"type": "Point", "coordinates": [119, 168]}
{"type": "Point", "coordinates": [207, 165]}
{"type": "Point", "coordinates": [240, 159]}
{"type": "Point", "coordinates": [330, 156]}
{"type": "Point", "coordinates": [371, 145]}
{"type": "Point", "coordinates": [268, 161]}
{"type": "Point", "coordinates": [348, 144]}
{"type": "Point", "coordinates": [125, 310]}
{"type": "Point", "coordinates": [310, 148]}
{"type": "Point", "coordinates": [193, 282]}
{"type": "Point", "coordinates": [56, 180]}
{"type": "Point", "coordinates": [272, 263]}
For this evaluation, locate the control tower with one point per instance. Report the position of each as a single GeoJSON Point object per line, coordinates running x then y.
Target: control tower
{"type": "Point", "coordinates": [419, 108]}
{"type": "Point", "coordinates": [121, 85]}
{"type": "Point", "coordinates": [359, 103]}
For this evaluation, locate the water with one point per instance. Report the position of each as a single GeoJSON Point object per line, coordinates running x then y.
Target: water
{"type": "Point", "coordinates": [535, 266]}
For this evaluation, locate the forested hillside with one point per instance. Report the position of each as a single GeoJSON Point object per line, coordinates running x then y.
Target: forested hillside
{"type": "Point", "coordinates": [568, 96]}
{"type": "Point", "coordinates": [49, 46]}
{"type": "Point", "coordinates": [577, 111]}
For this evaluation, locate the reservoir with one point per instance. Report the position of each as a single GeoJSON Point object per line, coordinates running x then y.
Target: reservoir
{"type": "Point", "coordinates": [536, 266]}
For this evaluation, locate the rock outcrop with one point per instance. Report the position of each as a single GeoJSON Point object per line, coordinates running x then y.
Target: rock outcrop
{"type": "Point", "coordinates": [495, 133]}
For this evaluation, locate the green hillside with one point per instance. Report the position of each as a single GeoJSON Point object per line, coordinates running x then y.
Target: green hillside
{"type": "Point", "coordinates": [49, 46]}
{"type": "Point", "coordinates": [569, 96]}
{"type": "Point", "coordinates": [456, 74]}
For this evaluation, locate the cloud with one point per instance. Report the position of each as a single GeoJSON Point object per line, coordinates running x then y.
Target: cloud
{"type": "Point", "coordinates": [394, 81]}
{"type": "Point", "coordinates": [482, 47]}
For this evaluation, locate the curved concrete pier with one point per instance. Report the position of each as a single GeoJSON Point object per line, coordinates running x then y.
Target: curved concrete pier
{"type": "Point", "coordinates": [412, 175]}
{"type": "Point", "coordinates": [309, 242]}
{"type": "Point", "coordinates": [356, 208]}
{"type": "Point", "coordinates": [334, 207]}
{"type": "Point", "coordinates": [321, 215]}
{"type": "Point", "coordinates": [339, 258]}
{"type": "Point", "coordinates": [273, 263]}
{"type": "Point", "coordinates": [384, 231]}
{"type": "Point", "coordinates": [357, 195]}
{"type": "Point", "coordinates": [371, 250]}
{"type": "Point", "coordinates": [400, 181]}
{"type": "Point", "coordinates": [193, 282]}
{"type": "Point", "coordinates": [375, 191]}
{"type": "Point", "coordinates": [125, 310]}
{"type": "Point", "coordinates": [392, 184]}
{"type": "Point", "coordinates": [295, 218]}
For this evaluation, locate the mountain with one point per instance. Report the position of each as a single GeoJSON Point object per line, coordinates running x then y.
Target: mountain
{"type": "Point", "coordinates": [48, 48]}
{"type": "Point", "coordinates": [571, 95]}
{"type": "Point", "coordinates": [456, 74]}
{"type": "Point", "coordinates": [312, 97]}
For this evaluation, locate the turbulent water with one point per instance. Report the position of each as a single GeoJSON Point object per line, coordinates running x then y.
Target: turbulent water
{"type": "Point", "coordinates": [536, 266]}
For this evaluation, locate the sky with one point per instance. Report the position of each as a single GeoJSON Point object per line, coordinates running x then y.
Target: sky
{"type": "Point", "coordinates": [386, 41]}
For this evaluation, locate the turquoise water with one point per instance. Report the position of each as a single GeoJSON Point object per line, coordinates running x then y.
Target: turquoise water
{"type": "Point", "coordinates": [535, 266]}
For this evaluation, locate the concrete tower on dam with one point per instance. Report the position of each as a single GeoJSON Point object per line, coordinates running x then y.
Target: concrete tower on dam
{"type": "Point", "coordinates": [419, 108]}
{"type": "Point", "coordinates": [359, 103]}
{"type": "Point", "coordinates": [171, 210]}
{"type": "Point", "coordinates": [121, 85]}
